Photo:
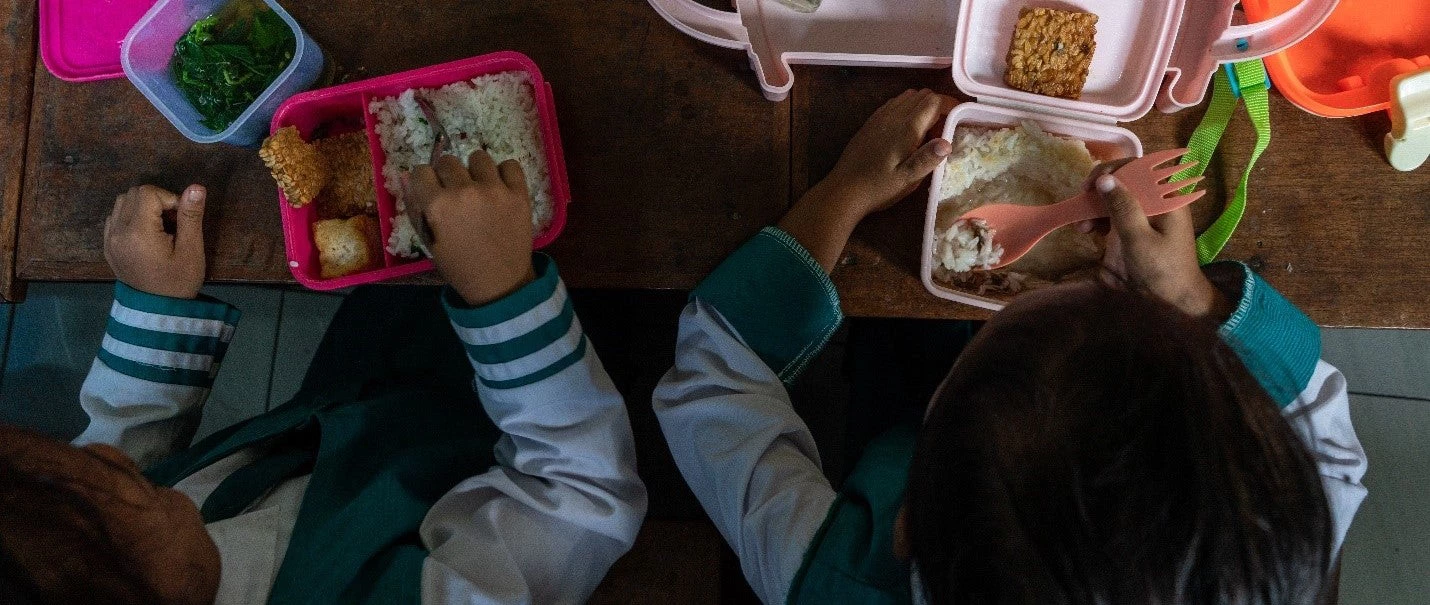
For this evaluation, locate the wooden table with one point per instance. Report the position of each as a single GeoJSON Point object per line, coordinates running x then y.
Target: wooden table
{"type": "Point", "coordinates": [674, 160]}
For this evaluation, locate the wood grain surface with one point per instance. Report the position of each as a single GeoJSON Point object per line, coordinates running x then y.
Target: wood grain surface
{"type": "Point", "coordinates": [675, 158]}
{"type": "Point", "coordinates": [17, 69]}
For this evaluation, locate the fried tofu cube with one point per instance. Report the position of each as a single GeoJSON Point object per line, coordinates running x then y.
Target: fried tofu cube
{"type": "Point", "coordinates": [351, 190]}
{"type": "Point", "coordinates": [298, 167]}
{"type": "Point", "coordinates": [1051, 52]}
{"type": "Point", "coordinates": [347, 246]}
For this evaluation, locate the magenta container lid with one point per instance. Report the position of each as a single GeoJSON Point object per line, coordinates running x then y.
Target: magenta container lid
{"type": "Point", "coordinates": [80, 39]}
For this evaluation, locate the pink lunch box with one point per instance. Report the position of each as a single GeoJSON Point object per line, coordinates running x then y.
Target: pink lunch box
{"type": "Point", "coordinates": [1149, 52]}
{"type": "Point", "coordinates": [343, 108]}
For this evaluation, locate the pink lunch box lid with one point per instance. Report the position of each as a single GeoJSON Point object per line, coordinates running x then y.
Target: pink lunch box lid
{"type": "Point", "coordinates": [80, 39]}
{"type": "Point", "coordinates": [1142, 44]}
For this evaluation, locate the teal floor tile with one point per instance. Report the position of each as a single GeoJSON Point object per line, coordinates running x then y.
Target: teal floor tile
{"type": "Point", "coordinates": [304, 318]}
{"type": "Point", "coordinates": [54, 335]}
{"type": "Point", "coordinates": [241, 390]}
{"type": "Point", "coordinates": [6, 312]}
{"type": "Point", "coordinates": [1387, 554]}
{"type": "Point", "coordinates": [1381, 362]}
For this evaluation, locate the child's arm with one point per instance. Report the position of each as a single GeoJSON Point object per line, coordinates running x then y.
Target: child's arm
{"type": "Point", "coordinates": [163, 344]}
{"type": "Point", "coordinates": [1282, 347]}
{"type": "Point", "coordinates": [749, 330]}
{"type": "Point", "coordinates": [1277, 343]}
{"type": "Point", "coordinates": [563, 502]}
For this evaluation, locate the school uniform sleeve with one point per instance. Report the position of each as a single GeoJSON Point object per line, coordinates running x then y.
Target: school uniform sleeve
{"type": "Point", "coordinates": [158, 360]}
{"type": "Point", "coordinates": [749, 329]}
{"type": "Point", "coordinates": [1282, 348]}
{"type": "Point", "coordinates": [564, 501]}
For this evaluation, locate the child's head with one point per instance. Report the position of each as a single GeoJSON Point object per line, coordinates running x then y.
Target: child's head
{"type": "Point", "coordinates": [1096, 446]}
{"type": "Point", "coordinates": [82, 525]}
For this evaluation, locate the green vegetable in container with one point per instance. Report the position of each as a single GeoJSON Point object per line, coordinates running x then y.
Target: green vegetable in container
{"type": "Point", "coordinates": [227, 59]}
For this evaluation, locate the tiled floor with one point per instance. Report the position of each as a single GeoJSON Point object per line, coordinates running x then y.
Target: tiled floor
{"type": "Point", "coordinates": [49, 342]}
{"type": "Point", "coordinates": [53, 337]}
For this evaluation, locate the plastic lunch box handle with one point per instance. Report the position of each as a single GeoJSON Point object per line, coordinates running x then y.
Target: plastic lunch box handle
{"type": "Point", "coordinates": [1256, 40]}
{"type": "Point", "coordinates": [703, 23]}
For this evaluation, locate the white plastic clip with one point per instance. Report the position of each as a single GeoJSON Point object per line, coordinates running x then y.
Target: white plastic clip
{"type": "Point", "coordinates": [1407, 145]}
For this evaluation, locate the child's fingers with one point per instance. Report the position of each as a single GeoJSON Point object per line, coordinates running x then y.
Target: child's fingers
{"type": "Point", "coordinates": [512, 175]}
{"type": "Point", "coordinates": [925, 160]}
{"type": "Point", "coordinates": [482, 168]}
{"type": "Point", "coordinates": [1128, 219]}
{"type": "Point", "coordinates": [451, 172]}
{"type": "Point", "coordinates": [148, 204]}
{"type": "Point", "coordinates": [189, 221]}
{"type": "Point", "coordinates": [1097, 225]}
{"type": "Point", "coordinates": [1107, 167]}
{"type": "Point", "coordinates": [1176, 223]}
{"type": "Point", "coordinates": [895, 104]}
{"type": "Point", "coordinates": [931, 109]}
{"type": "Point", "coordinates": [422, 182]}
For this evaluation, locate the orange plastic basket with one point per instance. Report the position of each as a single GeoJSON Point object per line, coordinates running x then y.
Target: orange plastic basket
{"type": "Point", "coordinates": [1345, 67]}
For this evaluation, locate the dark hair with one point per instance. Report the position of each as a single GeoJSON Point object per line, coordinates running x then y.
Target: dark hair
{"type": "Point", "coordinates": [1110, 449]}
{"type": "Point", "coordinates": [54, 546]}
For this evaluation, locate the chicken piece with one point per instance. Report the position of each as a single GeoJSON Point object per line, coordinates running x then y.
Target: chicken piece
{"type": "Point", "coordinates": [298, 167]}
{"type": "Point", "coordinates": [347, 246]}
{"type": "Point", "coordinates": [351, 190]}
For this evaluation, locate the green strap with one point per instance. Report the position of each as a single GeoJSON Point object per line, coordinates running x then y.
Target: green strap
{"type": "Point", "coordinates": [1251, 76]}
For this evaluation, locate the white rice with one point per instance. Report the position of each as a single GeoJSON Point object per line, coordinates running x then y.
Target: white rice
{"type": "Point", "coordinates": [1018, 165]}
{"type": "Point", "coordinates": [495, 112]}
{"type": "Point", "coordinates": [969, 245]}
{"type": "Point", "coordinates": [982, 155]}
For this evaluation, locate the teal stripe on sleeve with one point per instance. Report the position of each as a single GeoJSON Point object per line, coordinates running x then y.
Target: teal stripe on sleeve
{"type": "Point", "coordinates": [526, 344]}
{"type": "Point", "coordinates": [1278, 343]}
{"type": "Point", "coordinates": [542, 374]}
{"type": "Point", "coordinates": [779, 300]}
{"type": "Point", "coordinates": [524, 299]}
{"type": "Point", "coordinates": [166, 341]}
{"type": "Point", "coordinates": [153, 373]}
{"type": "Point", "coordinates": [203, 307]}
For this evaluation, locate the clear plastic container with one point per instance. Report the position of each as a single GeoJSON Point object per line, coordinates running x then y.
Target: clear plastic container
{"type": "Point", "coordinates": [149, 48]}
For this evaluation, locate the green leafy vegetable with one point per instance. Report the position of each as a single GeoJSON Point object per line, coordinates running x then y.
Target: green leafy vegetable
{"type": "Point", "coordinates": [223, 64]}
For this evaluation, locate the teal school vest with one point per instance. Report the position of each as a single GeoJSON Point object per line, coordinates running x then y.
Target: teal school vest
{"type": "Point", "coordinates": [851, 559]}
{"type": "Point", "coordinates": [381, 463]}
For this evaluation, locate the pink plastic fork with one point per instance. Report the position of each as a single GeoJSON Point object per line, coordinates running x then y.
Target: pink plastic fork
{"type": "Point", "coordinates": [1018, 228]}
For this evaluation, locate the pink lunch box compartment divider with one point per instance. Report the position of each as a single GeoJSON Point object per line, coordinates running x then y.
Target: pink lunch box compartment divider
{"type": "Point", "coordinates": [386, 206]}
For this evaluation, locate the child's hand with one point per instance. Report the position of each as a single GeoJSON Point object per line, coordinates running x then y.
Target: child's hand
{"type": "Point", "coordinates": [888, 158]}
{"type": "Point", "coordinates": [1156, 255]}
{"type": "Point", "coordinates": [145, 256]}
{"type": "Point", "coordinates": [884, 163]}
{"type": "Point", "coordinates": [481, 224]}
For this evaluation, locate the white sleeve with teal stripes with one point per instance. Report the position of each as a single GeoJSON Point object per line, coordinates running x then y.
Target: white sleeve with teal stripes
{"type": "Point", "coordinates": [159, 357]}
{"type": "Point", "coordinates": [750, 328]}
{"type": "Point", "coordinates": [564, 501]}
{"type": "Point", "coordinates": [1282, 348]}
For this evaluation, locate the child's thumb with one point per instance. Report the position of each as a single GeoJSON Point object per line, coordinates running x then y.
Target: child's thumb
{"type": "Point", "coordinates": [189, 222]}
{"type": "Point", "coordinates": [1126, 214]}
{"type": "Point", "coordinates": [926, 159]}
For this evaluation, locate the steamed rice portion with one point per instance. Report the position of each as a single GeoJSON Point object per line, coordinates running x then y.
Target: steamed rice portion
{"type": "Point", "coordinates": [495, 112]}
{"type": "Point", "coordinates": [1019, 165]}
{"type": "Point", "coordinates": [969, 245]}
